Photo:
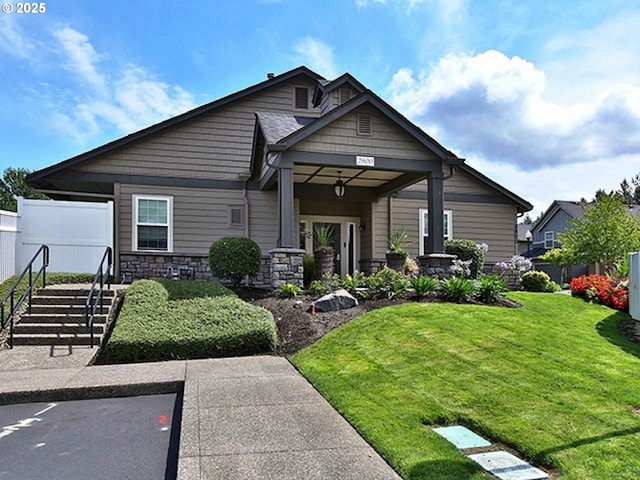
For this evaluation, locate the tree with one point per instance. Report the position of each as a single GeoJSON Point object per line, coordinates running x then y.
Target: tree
{"type": "Point", "coordinates": [527, 220]}
{"type": "Point", "coordinates": [560, 257]}
{"type": "Point", "coordinates": [631, 192]}
{"type": "Point", "coordinates": [605, 234]}
{"type": "Point", "coordinates": [12, 185]}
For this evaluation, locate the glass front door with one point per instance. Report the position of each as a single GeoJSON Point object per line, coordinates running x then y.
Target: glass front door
{"type": "Point", "coordinates": [344, 240]}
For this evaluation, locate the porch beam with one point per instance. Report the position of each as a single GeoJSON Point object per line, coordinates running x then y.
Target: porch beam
{"type": "Point", "coordinates": [435, 197]}
{"type": "Point", "coordinates": [314, 191]}
{"type": "Point", "coordinates": [399, 183]}
{"type": "Point", "coordinates": [349, 161]}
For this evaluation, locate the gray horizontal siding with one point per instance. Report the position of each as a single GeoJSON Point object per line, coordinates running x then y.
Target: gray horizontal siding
{"type": "Point", "coordinates": [460, 182]}
{"type": "Point", "coordinates": [216, 145]}
{"type": "Point", "coordinates": [387, 139]}
{"type": "Point", "coordinates": [200, 216]}
{"type": "Point", "coordinates": [558, 224]}
{"type": "Point", "coordinates": [493, 224]}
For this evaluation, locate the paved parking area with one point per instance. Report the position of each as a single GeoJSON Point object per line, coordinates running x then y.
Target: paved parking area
{"type": "Point", "coordinates": [101, 439]}
{"type": "Point", "coordinates": [242, 418]}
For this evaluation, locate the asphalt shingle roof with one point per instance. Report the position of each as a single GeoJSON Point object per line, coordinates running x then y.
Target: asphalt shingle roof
{"type": "Point", "coordinates": [276, 126]}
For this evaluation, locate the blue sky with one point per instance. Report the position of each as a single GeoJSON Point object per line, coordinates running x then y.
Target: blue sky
{"type": "Point", "coordinates": [543, 97]}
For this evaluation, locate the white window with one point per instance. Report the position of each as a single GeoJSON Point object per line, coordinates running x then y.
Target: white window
{"type": "Point", "coordinates": [548, 240]}
{"type": "Point", "coordinates": [424, 227]}
{"type": "Point", "coordinates": [152, 223]}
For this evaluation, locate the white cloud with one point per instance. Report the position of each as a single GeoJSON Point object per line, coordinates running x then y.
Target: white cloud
{"type": "Point", "coordinates": [317, 55]}
{"type": "Point", "coordinates": [13, 40]}
{"type": "Point", "coordinates": [80, 56]}
{"type": "Point", "coordinates": [584, 62]}
{"type": "Point", "coordinates": [494, 107]}
{"type": "Point", "coordinates": [126, 98]}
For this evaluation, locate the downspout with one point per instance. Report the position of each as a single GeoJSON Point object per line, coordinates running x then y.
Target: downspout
{"type": "Point", "coordinates": [390, 221]}
{"type": "Point", "coordinates": [245, 199]}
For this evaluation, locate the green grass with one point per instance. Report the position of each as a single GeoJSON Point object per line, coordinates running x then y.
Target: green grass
{"type": "Point", "coordinates": [166, 320]}
{"type": "Point", "coordinates": [553, 380]}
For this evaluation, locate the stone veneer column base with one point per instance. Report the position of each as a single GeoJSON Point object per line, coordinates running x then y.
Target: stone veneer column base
{"type": "Point", "coordinates": [287, 266]}
{"type": "Point", "coordinates": [139, 265]}
{"type": "Point", "coordinates": [437, 265]}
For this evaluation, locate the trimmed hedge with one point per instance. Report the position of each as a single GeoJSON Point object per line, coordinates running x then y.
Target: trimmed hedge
{"type": "Point", "coordinates": [175, 319]}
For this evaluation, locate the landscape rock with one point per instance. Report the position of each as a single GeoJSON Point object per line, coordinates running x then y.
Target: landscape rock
{"type": "Point", "coordinates": [332, 302]}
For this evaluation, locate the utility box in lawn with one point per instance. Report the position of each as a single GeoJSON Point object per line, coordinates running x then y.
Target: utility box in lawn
{"type": "Point", "coordinates": [634, 288]}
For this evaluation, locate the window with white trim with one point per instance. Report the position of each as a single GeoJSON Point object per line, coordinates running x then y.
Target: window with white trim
{"type": "Point", "coordinates": [152, 223]}
{"type": "Point", "coordinates": [447, 227]}
{"type": "Point", "coordinates": [549, 240]}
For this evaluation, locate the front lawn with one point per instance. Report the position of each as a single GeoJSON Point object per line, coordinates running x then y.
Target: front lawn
{"type": "Point", "coordinates": [169, 319]}
{"type": "Point", "coordinates": [554, 380]}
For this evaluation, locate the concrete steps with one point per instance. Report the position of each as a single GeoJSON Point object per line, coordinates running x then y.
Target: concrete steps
{"type": "Point", "coordinates": [57, 317]}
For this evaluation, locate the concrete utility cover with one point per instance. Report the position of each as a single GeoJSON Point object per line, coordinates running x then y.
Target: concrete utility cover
{"type": "Point", "coordinates": [462, 437]}
{"type": "Point", "coordinates": [507, 467]}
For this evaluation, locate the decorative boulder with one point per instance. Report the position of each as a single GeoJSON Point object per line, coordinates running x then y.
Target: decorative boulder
{"type": "Point", "coordinates": [332, 302]}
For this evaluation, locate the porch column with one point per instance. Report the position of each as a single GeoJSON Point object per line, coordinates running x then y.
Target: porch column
{"type": "Point", "coordinates": [435, 197]}
{"type": "Point", "coordinates": [286, 214]}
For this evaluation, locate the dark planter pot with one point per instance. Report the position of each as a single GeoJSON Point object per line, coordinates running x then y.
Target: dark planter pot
{"type": "Point", "coordinates": [396, 261]}
{"type": "Point", "coordinates": [324, 263]}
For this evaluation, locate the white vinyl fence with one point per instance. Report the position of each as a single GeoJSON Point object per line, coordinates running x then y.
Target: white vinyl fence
{"type": "Point", "coordinates": [8, 222]}
{"type": "Point", "coordinates": [77, 233]}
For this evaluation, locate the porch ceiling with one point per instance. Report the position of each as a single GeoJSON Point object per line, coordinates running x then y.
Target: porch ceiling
{"type": "Point", "coordinates": [355, 177]}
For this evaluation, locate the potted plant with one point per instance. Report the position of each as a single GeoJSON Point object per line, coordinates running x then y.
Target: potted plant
{"type": "Point", "coordinates": [323, 250]}
{"type": "Point", "coordinates": [397, 254]}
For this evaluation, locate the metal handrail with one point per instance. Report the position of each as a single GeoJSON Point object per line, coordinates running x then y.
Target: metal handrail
{"type": "Point", "coordinates": [14, 306]}
{"type": "Point", "coordinates": [91, 305]}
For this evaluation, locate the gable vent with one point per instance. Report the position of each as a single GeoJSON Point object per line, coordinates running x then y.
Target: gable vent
{"type": "Point", "coordinates": [302, 97]}
{"type": "Point", "coordinates": [344, 95]}
{"type": "Point", "coordinates": [364, 124]}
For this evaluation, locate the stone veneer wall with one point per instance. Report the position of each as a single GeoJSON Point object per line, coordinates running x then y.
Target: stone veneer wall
{"type": "Point", "coordinates": [369, 266]}
{"type": "Point", "coordinates": [287, 266]}
{"type": "Point", "coordinates": [436, 265]}
{"type": "Point", "coordinates": [136, 266]}
{"type": "Point", "coordinates": [512, 277]}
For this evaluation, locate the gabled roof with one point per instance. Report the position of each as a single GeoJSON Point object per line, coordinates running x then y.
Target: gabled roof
{"type": "Point", "coordinates": [573, 209]}
{"type": "Point", "coordinates": [298, 128]}
{"type": "Point", "coordinates": [324, 86]}
{"type": "Point", "coordinates": [523, 205]}
{"type": "Point", "coordinates": [368, 97]}
{"type": "Point", "coordinates": [203, 109]}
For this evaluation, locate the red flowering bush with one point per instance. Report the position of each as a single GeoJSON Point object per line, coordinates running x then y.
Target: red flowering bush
{"type": "Point", "coordinates": [601, 289]}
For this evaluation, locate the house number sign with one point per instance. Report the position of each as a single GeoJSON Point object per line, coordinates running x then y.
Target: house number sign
{"type": "Point", "coordinates": [365, 161]}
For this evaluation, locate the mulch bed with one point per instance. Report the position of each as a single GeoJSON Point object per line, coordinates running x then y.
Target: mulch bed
{"type": "Point", "coordinates": [298, 328]}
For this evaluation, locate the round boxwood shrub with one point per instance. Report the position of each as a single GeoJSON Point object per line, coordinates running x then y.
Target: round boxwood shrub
{"type": "Point", "coordinates": [535, 281]}
{"type": "Point", "coordinates": [234, 258]}
{"type": "Point", "coordinates": [466, 250]}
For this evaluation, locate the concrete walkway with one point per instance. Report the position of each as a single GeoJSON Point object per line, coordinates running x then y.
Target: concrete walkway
{"type": "Point", "coordinates": [243, 418]}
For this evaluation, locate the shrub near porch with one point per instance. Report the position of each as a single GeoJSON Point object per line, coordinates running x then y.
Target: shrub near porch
{"type": "Point", "coordinates": [167, 320]}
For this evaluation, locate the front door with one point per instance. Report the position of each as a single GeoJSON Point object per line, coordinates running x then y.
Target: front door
{"type": "Point", "coordinates": [344, 240]}
{"type": "Point", "coordinates": [335, 243]}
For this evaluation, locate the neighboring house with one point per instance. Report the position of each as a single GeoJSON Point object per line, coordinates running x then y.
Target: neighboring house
{"type": "Point", "coordinates": [266, 162]}
{"type": "Point", "coordinates": [545, 231]}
